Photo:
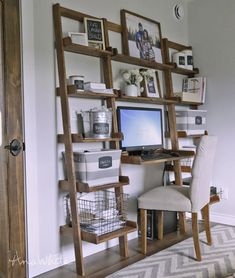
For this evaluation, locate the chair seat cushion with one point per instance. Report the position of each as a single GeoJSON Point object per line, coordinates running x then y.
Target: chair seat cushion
{"type": "Point", "coordinates": [171, 198]}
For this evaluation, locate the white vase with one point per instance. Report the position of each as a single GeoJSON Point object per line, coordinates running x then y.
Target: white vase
{"type": "Point", "coordinates": [131, 90]}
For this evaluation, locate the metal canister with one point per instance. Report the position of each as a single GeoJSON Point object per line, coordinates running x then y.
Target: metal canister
{"type": "Point", "coordinates": [101, 122]}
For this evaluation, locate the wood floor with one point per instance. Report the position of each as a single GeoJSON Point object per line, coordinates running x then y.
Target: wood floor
{"type": "Point", "coordinates": [106, 262]}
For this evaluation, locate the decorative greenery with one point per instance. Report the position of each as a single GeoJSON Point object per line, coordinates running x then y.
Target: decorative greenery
{"type": "Point", "coordinates": [132, 77]}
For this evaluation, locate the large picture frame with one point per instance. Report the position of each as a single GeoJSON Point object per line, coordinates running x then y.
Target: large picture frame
{"type": "Point", "coordinates": [151, 84]}
{"type": "Point", "coordinates": [141, 37]}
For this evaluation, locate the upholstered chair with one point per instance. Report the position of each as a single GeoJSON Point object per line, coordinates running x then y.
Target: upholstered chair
{"type": "Point", "coordinates": [193, 198]}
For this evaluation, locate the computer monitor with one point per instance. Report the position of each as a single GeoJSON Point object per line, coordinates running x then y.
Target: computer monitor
{"type": "Point", "coordinates": [141, 128]}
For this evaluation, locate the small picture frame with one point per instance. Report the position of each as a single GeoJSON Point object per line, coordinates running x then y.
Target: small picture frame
{"type": "Point", "coordinates": [78, 38]}
{"type": "Point", "coordinates": [94, 28]}
{"type": "Point", "coordinates": [142, 37]}
{"type": "Point", "coordinates": [152, 86]}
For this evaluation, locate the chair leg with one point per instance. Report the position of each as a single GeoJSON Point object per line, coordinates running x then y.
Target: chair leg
{"type": "Point", "coordinates": [182, 223]}
{"type": "Point", "coordinates": [206, 218]}
{"type": "Point", "coordinates": [196, 236]}
{"type": "Point", "coordinates": [160, 225]}
{"type": "Point", "coordinates": [143, 228]}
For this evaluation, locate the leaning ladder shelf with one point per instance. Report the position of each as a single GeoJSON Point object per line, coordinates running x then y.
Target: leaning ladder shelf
{"type": "Point", "coordinates": [67, 138]}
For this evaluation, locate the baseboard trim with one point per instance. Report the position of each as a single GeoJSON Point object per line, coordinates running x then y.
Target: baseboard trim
{"type": "Point", "coordinates": [218, 218]}
{"type": "Point", "coordinates": [222, 218]}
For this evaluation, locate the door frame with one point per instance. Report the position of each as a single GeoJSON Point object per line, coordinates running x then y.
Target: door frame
{"type": "Point", "coordinates": [13, 262]}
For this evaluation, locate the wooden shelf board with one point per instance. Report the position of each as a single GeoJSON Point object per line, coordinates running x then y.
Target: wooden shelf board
{"type": "Point", "coordinates": [190, 103]}
{"type": "Point", "coordinates": [93, 238]}
{"type": "Point", "coordinates": [78, 138]}
{"type": "Point", "coordinates": [214, 199]}
{"type": "Point", "coordinates": [161, 101]}
{"type": "Point", "coordinates": [183, 134]}
{"type": "Point", "coordinates": [178, 46]}
{"type": "Point", "coordinates": [83, 49]}
{"type": "Point", "coordinates": [139, 62]}
{"type": "Point", "coordinates": [135, 159]}
{"type": "Point", "coordinates": [185, 169]}
{"type": "Point", "coordinates": [84, 187]}
{"type": "Point", "coordinates": [72, 92]}
{"type": "Point", "coordinates": [185, 71]}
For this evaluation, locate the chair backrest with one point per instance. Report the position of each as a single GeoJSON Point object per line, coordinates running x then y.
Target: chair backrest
{"type": "Point", "coordinates": [202, 172]}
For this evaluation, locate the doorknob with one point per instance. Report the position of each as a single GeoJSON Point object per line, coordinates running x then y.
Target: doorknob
{"type": "Point", "coordinates": [14, 147]}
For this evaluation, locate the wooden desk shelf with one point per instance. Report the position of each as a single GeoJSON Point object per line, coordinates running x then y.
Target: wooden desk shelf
{"type": "Point", "coordinates": [78, 138]}
{"type": "Point", "coordinates": [84, 50]}
{"type": "Point", "coordinates": [183, 134]}
{"type": "Point", "coordinates": [135, 159]}
{"type": "Point", "coordinates": [93, 238]}
{"type": "Point", "coordinates": [84, 187]}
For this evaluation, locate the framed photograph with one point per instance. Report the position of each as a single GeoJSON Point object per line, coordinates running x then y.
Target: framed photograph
{"type": "Point", "coordinates": [141, 37]}
{"type": "Point", "coordinates": [152, 86]}
{"type": "Point", "coordinates": [94, 29]}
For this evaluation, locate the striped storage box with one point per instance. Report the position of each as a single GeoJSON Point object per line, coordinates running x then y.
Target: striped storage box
{"type": "Point", "coordinates": [191, 121]}
{"type": "Point", "coordinates": [97, 167]}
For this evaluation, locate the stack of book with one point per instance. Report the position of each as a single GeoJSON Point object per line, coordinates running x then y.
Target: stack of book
{"type": "Point", "coordinates": [193, 90]}
{"type": "Point", "coordinates": [97, 87]}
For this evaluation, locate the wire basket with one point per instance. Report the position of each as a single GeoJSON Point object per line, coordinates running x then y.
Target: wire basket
{"type": "Point", "coordinates": [100, 212]}
{"type": "Point", "coordinates": [188, 161]}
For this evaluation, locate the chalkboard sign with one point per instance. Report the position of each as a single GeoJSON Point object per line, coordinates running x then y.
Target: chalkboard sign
{"type": "Point", "coordinates": [95, 32]}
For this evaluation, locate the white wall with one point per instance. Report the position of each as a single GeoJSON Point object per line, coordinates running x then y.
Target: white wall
{"type": "Point", "coordinates": [211, 28]}
{"type": "Point", "coordinates": [44, 202]}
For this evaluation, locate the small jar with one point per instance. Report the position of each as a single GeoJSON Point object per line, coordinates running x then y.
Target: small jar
{"type": "Point", "coordinates": [78, 81]}
{"type": "Point", "coordinates": [180, 59]}
{"type": "Point", "coordinates": [188, 59]}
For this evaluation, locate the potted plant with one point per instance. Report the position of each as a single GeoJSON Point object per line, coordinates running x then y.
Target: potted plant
{"type": "Point", "coordinates": [132, 80]}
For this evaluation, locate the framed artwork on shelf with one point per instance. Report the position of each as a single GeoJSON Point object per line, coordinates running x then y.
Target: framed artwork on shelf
{"type": "Point", "coordinates": [94, 29]}
{"type": "Point", "coordinates": [151, 85]}
{"type": "Point", "coordinates": [141, 37]}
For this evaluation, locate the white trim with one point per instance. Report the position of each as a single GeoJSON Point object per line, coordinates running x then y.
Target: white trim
{"type": "Point", "coordinates": [222, 218]}
{"type": "Point", "coordinates": [218, 218]}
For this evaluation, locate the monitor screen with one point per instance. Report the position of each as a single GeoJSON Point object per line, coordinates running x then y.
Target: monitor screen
{"type": "Point", "coordinates": [141, 128]}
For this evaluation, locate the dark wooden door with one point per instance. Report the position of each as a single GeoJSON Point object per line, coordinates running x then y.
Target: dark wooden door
{"type": "Point", "coordinates": [12, 208]}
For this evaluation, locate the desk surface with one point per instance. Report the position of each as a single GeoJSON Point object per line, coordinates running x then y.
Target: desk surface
{"type": "Point", "coordinates": [135, 159]}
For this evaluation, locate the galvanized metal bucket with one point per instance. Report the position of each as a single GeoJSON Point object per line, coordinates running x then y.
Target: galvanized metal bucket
{"type": "Point", "coordinates": [97, 122]}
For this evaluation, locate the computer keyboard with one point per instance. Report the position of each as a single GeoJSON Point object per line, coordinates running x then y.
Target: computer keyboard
{"type": "Point", "coordinates": [155, 156]}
